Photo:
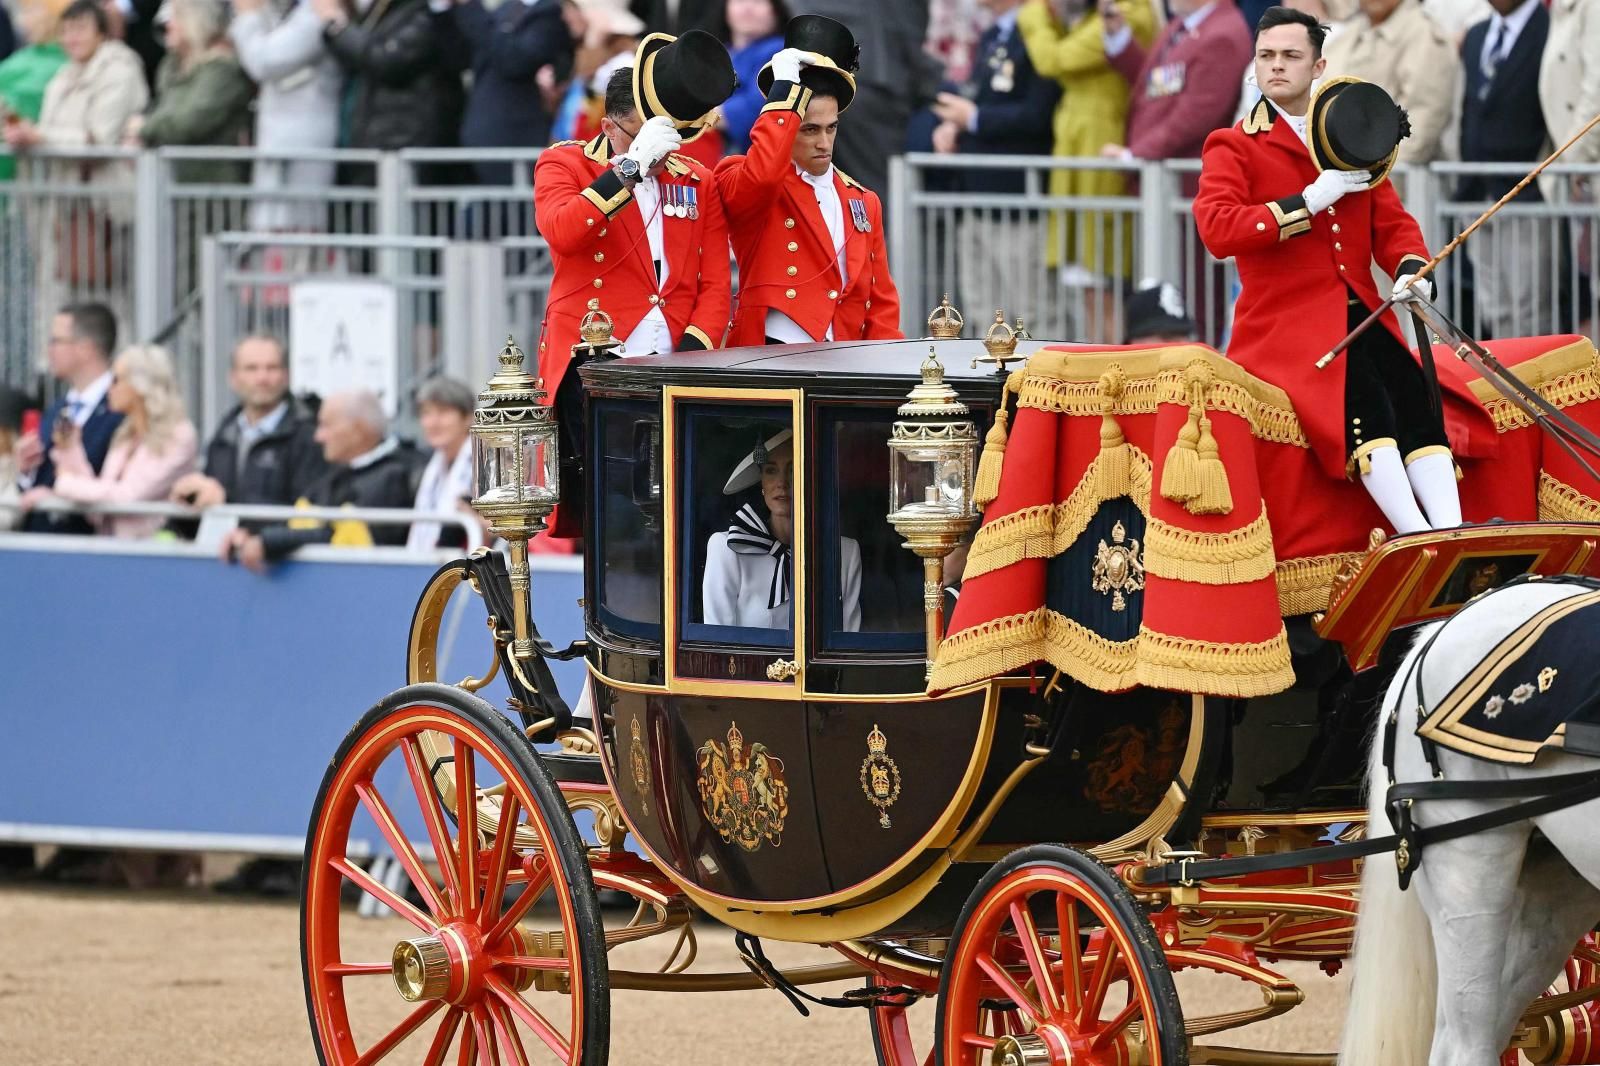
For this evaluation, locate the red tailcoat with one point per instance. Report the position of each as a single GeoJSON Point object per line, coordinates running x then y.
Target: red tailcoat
{"type": "Point", "coordinates": [785, 253]}
{"type": "Point", "coordinates": [599, 249]}
{"type": "Point", "coordinates": [1295, 270]}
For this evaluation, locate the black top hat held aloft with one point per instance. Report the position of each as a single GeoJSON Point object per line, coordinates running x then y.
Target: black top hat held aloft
{"type": "Point", "coordinates": [840, 57]}
{"type": "Point", "coordinates": [684, 78]}
{"type": "Point", "coordinates": [1355, 125]}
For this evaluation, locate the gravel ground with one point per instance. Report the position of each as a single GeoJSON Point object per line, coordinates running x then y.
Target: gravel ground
{"type": "Point", "coordinates": [147, 978]}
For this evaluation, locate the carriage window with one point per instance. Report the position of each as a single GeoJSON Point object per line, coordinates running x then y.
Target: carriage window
{"type": "Point", "coordinates": [870, 586]}
{"type": "Point", "coordinates": [738, 507]}
{"type": "Point", "coordinates": [627, 490]}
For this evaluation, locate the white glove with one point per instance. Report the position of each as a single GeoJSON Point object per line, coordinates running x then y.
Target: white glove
{"type": "Point", "coordinates": [787, 63]}
{"type": "Point", "coordinates": [655, 140]}
{"type": "Point", "coordinates": [1331, 185]}
{"type": "Point", "coordinates": [1405, 290]}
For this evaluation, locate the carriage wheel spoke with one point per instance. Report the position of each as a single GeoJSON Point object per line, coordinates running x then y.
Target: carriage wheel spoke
{"type": "Point", "coordinates": [372, 887]}
{"type": "Point", "coordinates": [1033, 951]}
{"type": "Point", "coordinates": [978, 1040]}
{"type": "Point", "coordinates": [1009, 988]}
{"type": "Point", "coordinates": [500, 858]}
{"type": "Point", "coordinates": [357, 969]}
{"type": "Point", "coordinates": [486, 1049]}
{"type": "Point", "coordinates": [467, 819]}
{"type": "Point", "coordinates": [530, 1017]}
{"type": "Point", "coordinates": [500, 1015]}
{"type": "Point", "coordinates": [441, 1040]}
{"type": "Point", "coordinates": [534, 888]}
{"type": "Point", "coordinates": [1090, 1011]}
{"type": "Point", "coordinates": [394, 1037]}
{"type": "Point", "coordinates": [375, 805]}
{"type": "Point", "coordinates": [1116, 1025]}
{"type": "Point", "coordinates": [438, 834]}
{"type": "Point", "coordinates": [469, 1047]}
{"type": "Point", "coordinates": [1071, 951]}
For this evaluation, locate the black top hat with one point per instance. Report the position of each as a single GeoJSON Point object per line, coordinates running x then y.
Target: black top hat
{"type": "Point", "coordinates": [683, 78]}
{"type": "Point", "coordinates": [1355, 125]}
{"type": "Point", "coordinates": [839, 57]}
{"type": "Point", "coordinates": [1156, 310]}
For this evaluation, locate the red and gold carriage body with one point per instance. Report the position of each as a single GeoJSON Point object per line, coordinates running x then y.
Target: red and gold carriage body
{"type": "Point", "coordinates": [1138, 665]}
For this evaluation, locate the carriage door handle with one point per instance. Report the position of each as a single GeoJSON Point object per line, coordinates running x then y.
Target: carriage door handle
{"type": "Point", "coordinates": [782, 670]}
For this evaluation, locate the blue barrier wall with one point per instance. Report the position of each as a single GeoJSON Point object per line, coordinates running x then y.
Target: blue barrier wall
{"type": "Point", "coordinates": [151, 695]}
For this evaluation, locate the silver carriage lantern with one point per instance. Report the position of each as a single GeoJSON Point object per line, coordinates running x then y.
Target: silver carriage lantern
{"type": "Point", "coordinates": [517, 474]}
{"type": "Point", "coordinates": [933, 451]}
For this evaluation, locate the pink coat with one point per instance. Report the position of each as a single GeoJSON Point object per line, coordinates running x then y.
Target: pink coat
{"type": "Point", "coordinates": [132, 473]}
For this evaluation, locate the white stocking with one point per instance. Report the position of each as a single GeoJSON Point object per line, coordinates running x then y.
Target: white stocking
{"type": "Point", "coordinates": [1386, 483]}
{"type": "Point", "coordinates": [1433, 480]}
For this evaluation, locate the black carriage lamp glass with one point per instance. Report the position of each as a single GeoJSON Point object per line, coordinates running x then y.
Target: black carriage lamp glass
{"type": "Point", "coordinates": [516, 464]}
{"type": "Point", "coordinates": [933, 451]}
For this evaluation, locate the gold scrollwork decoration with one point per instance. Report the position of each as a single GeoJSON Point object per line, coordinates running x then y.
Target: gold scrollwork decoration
{"type": "Point", "coordinates": [1118, 567]}
{"type": "Point", "coordinates": [880, 777]}
{"type": "Point", "coordinates": [639, 764]}
{"type": "Point", "coordinates": [743, 796]}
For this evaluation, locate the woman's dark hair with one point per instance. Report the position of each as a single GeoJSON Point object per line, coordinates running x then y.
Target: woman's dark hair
{"type": "Point", "coordinates": [717, 23]}
{"type": "Point", "coordinates": [1288, 16]}
{"type": "Point", "coordinates": [88, 9]}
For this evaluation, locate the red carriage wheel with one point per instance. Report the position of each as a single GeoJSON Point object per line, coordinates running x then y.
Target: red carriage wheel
{"type": "Point", "coordinates": [502, 960]}
{"type": "Point", "coordinates": [1055, 943]}
{"type": "Point", "coordinates": [902, 1035]}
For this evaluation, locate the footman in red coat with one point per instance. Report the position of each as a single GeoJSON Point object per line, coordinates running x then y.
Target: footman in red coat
{"type": "Point", "coordinates": [809, 239]}
{"type": "Point", "coordinates": [1305, 224]}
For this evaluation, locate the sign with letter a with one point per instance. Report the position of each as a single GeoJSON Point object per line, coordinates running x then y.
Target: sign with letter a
{"type": "Point", "coordinates": [343, 335]}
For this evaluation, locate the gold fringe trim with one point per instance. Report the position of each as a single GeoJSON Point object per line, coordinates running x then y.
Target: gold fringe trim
{"type": "Point", "coordinates": [1233, 558]}
{"type": "Point", "coordinates": [1151, 659]}
{"type": "Point", "coordinates": [1560, 502]}
{"type": "Point", "coordinates": [1304, 585]}
{"type": "Point", "coordinates": [1565, 376]}
{"type": "Point", "coordinates": [1047, 530]}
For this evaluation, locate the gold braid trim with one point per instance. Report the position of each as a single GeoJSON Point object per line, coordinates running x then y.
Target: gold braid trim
{"type": "Point", "coordinates": [1565, 376]}
{"type": "Point", "coordinates": [1047, 530]}
{"type": "Point", "coordinates": [1152, 659]}
{"type": "Point", "coordinates": [1232, 558]}
{"type": "Point", "coordinates": [1153, 379]}
{"type": "Point", "coordinates": [1560, 502]}
{"type": "Point", "coordinates": [1304, 584]}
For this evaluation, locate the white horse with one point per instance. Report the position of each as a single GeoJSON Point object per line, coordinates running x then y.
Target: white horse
{"type": "Point", "coordinates": [1496, 914]}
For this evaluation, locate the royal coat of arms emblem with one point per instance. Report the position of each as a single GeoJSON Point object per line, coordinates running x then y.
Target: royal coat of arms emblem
{"type": "Point", "coordinates": [880, 777]}
{"type": "Point", "coordinates": [1118, 568]}
{"type": "Point", "coordinates": [743, 796]}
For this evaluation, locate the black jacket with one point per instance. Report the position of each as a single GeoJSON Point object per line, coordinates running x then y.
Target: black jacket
{"type": "Point", "coordinates": [1015, 110]}
{"type": "Point", "coordinates": [389, 482]}
{"type": "Point", "coordinates": [1501, 120]}
{"type": "Point", "coordinates": [279, 469]}
{"type": "Point", "coordinates": [506, 49]}
{"type": "Point", "coordinates": [404, 89]}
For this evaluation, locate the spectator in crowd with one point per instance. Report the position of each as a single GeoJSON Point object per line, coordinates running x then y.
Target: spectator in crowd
{"type": "Point", "coordinates": [506, 48]}
{"type": "Point", "coordinates": [26, 72]}
{"type": "Point", "coordinates": [265, 450]}
{"type": "Point", "coordinates": [1395, 43]}
{"type": "Point", "coordinates": [1502, 121]}
{"type": "Point", "coordinates": [1569, 103]}
{"type": "Point", "coordinates": [367, 467]}
{"type": "Point", "coordinates": [134, 23]}
{"type": "Point", "coordinates": [954, 28]}
{"type": "Point", "coordinates": [12, 405]}
{"type": "Point", "coordinates": [1251, 92]}
{"type": "Point", "coordinates": [280, 48]}
{"type": "Point", "coordinates": [753, 32]}
{"type": "Point", "coordinates": [1066, 41]}
{"type": "Point", "coordinates": [153, 446]}
{"type": "Point", "coordinates": [404, 91]}
{"type": "Point", "coordinates": [1006, 111]}
{"type": "Point", "coordinates": [82, 337]}
{"type": "Point", "coordinates": [202, 94]}
{"type": "Point", "coordinates": [609, 35]}
{"type": "Point", "coordinates": [896, 78]}
{"type": "Point", "coordinates": [444, 409]}
{"type": "Point", "coordinates": [1155, 315]}
{"type": "Point", "coordinates": [676, 17]}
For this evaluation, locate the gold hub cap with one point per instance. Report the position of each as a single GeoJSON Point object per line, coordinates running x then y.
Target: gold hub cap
{"type": "Point", "coordinates": [421, 969]}
{"type": "Point", "coordinates": [1027, 1049]}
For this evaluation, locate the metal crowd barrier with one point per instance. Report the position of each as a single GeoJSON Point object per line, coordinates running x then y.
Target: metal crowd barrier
{"type": "Point", "coordinates": [131, 228]}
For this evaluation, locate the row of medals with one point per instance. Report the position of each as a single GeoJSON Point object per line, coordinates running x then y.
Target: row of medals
{"type": "Point", "coordinates": [679, 201]}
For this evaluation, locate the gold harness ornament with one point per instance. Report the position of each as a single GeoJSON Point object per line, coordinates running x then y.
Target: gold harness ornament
{"type": "Point", "coordinates": [1118, 568]}
{"type": "Point", "coordinates": [880, 777]}
{"type": "Point", "coordinates": [744, 797]}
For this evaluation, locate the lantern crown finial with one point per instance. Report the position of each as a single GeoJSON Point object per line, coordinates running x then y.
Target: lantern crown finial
{"type": "Point", "coordinates": [933, 396]}
{"type": "Point", "coordinates": [945, 323]}
{"type": "Point", "coordinates": [511, 380]}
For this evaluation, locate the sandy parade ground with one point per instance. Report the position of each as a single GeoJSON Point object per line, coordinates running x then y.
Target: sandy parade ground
{"type": "Point", "coordinates": [164, 978]}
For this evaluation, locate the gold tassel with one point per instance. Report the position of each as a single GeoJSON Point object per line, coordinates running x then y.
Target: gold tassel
{"type": "Point", "coordinates": [986, 486]}
{"type": "Point", "coordinates": [1215, 496]}
{"type": "Point", "coordinates": [1113, 460]}
{"type": "Point", "coordinates": [1180, 474]}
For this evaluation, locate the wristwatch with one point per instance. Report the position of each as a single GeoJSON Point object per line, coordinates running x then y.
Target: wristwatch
{"type": "Point", "coordinates": [628, 168]}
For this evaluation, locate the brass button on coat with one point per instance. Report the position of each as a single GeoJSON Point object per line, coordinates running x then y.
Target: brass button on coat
{"type": "Point", "coordinates": [792, 271]}
{"type": "Point", "coordinates": [654, 299]}
{"type": "Point", "coordinates": [597, 283]}
{"type": "Point", "coordinates": [599, 257]}
{"type": "Point", "coordinates": [789, 293]}
{"type": "Point", "coordinates": [788, 223]}
{"type": "Point", "coordinates": [833, 294]}
{"type": "Point", "coordinates": [793, 247]}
